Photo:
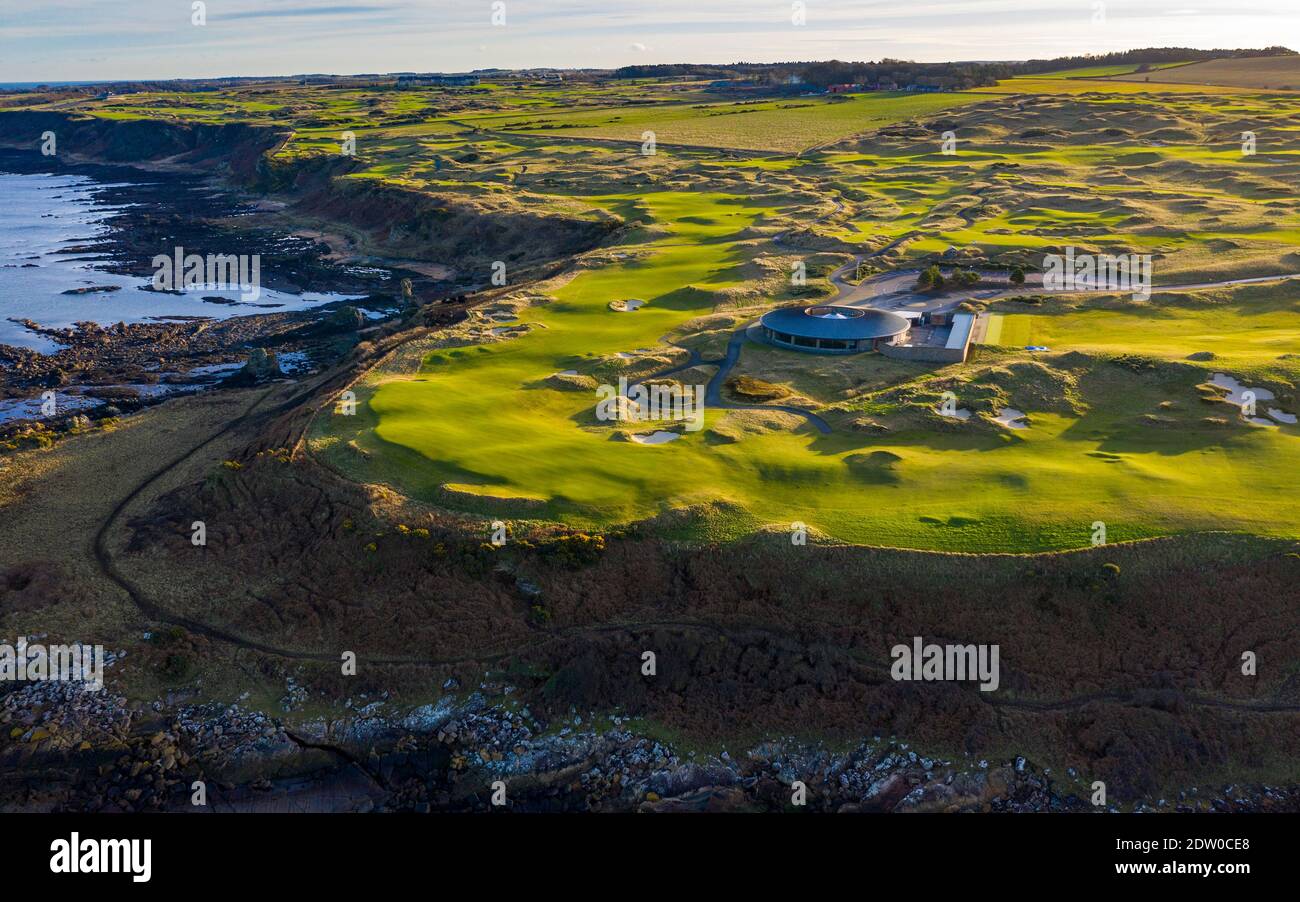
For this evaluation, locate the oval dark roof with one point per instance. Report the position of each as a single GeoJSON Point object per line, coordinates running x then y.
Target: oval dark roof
{"type": "Point", "coordinates": [829, 321]}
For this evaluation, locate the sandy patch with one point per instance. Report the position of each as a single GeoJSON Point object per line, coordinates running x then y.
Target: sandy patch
{"type": "Point", "coordinates": [1011, 418]}
{"type": "Point", "coordinates": [1236, 396]}
{"type": "Point", "coordinates": [659, 437]}
{"type": "Point", "coordinates": [1236, 390]}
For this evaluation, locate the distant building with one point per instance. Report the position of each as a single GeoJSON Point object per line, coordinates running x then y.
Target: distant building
{"type": "Point", "coordinates": [440, 81]}
{"type": "Point", "coordinates": [736, 84]}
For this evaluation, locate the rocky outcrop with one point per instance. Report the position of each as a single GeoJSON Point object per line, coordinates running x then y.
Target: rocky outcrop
{"type": "Point", "coordinates": [261, 366]}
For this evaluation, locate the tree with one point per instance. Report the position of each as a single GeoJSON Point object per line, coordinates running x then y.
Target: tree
{"type": "Point", "coordinates": [1017, 275]}
{"type": "Point", "coordinates": [930, 279]}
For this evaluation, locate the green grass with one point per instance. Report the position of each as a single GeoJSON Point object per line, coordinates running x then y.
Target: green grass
{"type": "Point", "coordinates": [478, 419]}
{"type": "Point", "coordinates": [1136, 448]}
{"type": "Point", "coordinates": [1250, 334]}
{"type": "Point", "coordinates": [1045, 84]}
{"type": "Point", "coordinates": [1012, 331]}
{"type": "Point", "coordinates": [779, 126]}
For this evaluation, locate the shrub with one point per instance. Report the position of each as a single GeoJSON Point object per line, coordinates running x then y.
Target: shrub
{"type": "Point", "coordinates": [931, 279]}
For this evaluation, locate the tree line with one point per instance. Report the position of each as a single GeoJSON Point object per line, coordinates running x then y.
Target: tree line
{"type": "Point", "coordinates": [951, 76]}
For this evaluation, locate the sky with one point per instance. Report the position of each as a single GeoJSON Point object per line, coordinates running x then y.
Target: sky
{"type": "Point", "coordinates": [85, 40]}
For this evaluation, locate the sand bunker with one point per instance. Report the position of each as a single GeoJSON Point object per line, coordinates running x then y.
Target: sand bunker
{"type": "Point", "coordinates": [1236, 390]}
{"type": "Point", "coordinates": [960, 414]}
{"type": "Point", "coordinates": [626, 306]}
{"type": "Point", "coordinates": [659, 437]}
{"type": "Point", "coordinates": [1011, 418]}
{"type": "Point", "coordinates": [1236, 395]}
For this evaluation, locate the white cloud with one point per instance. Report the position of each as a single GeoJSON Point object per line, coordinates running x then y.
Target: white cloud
{"type": "Point", "coordinates": [63, 40]}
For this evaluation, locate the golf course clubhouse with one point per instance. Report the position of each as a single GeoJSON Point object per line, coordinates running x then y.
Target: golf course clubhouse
{"type": "Point", "coordinates": [826, 329]}
{"type": "Point", "coordinates": [935, 337]}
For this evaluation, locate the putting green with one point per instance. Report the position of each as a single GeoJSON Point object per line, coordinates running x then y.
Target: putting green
{"type": "Point", "coordinates": [1010, 330]}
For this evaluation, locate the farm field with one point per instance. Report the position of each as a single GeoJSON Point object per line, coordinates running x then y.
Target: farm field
{"type": "Point", "coordinates": [1267, 73]}
{"type": "Point", "coordinates": [1108, 71]}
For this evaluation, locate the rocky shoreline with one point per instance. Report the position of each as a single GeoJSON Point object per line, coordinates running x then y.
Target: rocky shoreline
{"type": "Point", "coordinates": [72, 750]}
{"type": "Point", "coordinates": [126, 365]}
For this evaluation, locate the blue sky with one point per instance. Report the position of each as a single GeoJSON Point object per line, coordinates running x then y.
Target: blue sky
{"type": "Point", "coordinates": [70, 40]}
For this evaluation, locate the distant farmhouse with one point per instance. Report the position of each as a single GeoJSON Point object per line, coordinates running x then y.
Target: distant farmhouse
{"type": "Point", "coordinates": [437, 81]}
{"type": "Point", "coordinates": [882, 86]}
